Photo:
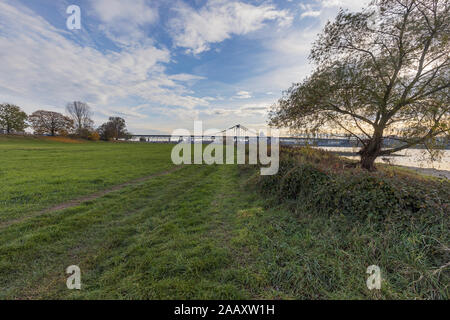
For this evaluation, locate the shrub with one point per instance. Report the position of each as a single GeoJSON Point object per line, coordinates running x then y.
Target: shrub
{"type": "Point", "coordinates": [94, 136]}
{"type": "Point", "coordinates": [359, 195]}
{"type": "Point", "coordinates": [63, 133]}
{"type": "Point", "coordinates": [301, 181]}
{"type": "Point", "coordinates": [309, 180]}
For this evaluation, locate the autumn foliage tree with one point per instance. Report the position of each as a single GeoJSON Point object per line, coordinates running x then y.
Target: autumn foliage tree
{"type": "Point", "coordinates": [12, 118]}
{"type": "Point", "coordinates": [49, 122]}
{"type": "Point", "coordinates": [381, 73]}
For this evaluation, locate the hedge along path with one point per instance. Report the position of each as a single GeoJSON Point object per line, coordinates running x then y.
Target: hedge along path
{"type": "Point", "coordinates": [93, 196]}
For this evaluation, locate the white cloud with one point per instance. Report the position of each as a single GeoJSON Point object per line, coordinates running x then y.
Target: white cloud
{"type": "Point", "coordinates": [113, 11]}
{"type": "Point", "coordinates": [219, 20]}
{"type": "Point", "coordinates": [185, 77]}
{"type": "Point", "coordinates": [243, 95]}
{"type": "Point", "coordinates": [245, 111]}
{"type": "Point", "coordinates": [311, 14]}
{"type": "Point", "coordinates": [308, 11]}
{"type": "Point", "coordinates": [125, 112]}
{"type": "Point", "coordinates": [325, 9]}
{"type": "Point", "coordinates": [123, 21]}
{"type": "Point", "coordinates": [49, 70]}
{"type": "Point", "coordinates": [346, 4]}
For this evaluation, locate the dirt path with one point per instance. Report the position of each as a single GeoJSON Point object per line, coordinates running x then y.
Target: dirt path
{"type": "Point", "coordinates": [93, 196]}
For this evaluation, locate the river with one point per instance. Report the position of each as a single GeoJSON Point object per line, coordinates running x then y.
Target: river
{"type": "Point", "coordinates": [409, 157]}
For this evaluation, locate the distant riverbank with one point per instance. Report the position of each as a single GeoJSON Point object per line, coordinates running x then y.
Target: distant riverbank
{"type": "Point", "coordinates": [412, 158]}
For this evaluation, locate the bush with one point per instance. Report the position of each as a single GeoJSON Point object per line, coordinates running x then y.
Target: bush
{"type": "Point", "coordinates": [63, 133]}
{"type": "Point", "coordinates": [94, 136]}
{"type": "Point", "coordinates": [359, 195]}
{"type": "Point", "coordinates": [301, 181]}
{"type": "Point", "coordinates": [309, 180]}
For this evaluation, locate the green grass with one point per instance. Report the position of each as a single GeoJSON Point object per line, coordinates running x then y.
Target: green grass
{"type": "Point", "coordinates": [36, 173]}
{"type": "Point", "coordinates": [202, 232]}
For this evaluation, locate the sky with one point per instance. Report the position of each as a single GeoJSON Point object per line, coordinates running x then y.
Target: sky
{"type": "Point", "coordinates": [160, 65]}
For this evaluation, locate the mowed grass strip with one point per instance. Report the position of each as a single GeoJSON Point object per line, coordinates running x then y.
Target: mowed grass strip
{"type": "Point", "coordinates": [88, 198]}
{"type": "Point", "coordinates": [38, 173]}
{"type": "Point", "coordinates": [164, 239]}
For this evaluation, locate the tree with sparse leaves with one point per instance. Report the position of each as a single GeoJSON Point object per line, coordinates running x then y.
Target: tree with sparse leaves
{"type": "Point", "coordinates": [80, 113]}
{"type": "Point", "coordinates": [49, 122]}
{"type": "Point", "coordinates": [381, 73]}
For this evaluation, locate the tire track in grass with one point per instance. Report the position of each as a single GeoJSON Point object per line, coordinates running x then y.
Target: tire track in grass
{"type": "Point", "coordinates": [93, 196]}
{"type": "Point", "coordinates": [88, 253]}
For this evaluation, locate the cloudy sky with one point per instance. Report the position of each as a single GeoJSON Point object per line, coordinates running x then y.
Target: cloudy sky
{"type": "Point", "coordinates": [160, 64]}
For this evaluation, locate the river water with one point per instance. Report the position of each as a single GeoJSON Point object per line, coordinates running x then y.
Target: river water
{"type": "Point", "coordinates": [409, 157]}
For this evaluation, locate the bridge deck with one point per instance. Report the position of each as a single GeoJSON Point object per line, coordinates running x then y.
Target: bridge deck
{"type": "Point", "coordinates": [246, 139]}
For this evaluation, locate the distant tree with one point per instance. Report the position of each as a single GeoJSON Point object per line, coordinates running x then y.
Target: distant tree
{"type": "Point", "coordinates": [105, 131]}
{"type": "Point", "coordinates": [81, 114]}
{"type": "Point", "coordinates": [12, 118]}
{"type": "Point", "coordinates": [49, 122]}
{"type": "Point", "coordinates": [383, 72]}
{"type": "Point", "coordinates": [115, 129]}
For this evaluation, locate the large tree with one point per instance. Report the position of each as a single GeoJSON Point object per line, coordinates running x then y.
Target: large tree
{"type": "Point", "coordinates": [12, 118]}
{"type": "Point", "coordinates": [80, 113]}
{"type": "Point", "coordinates": [115, 129]}
{"type": "Point", "coordinates": [382, 72]}
{"type": "Point", "coordinates": [49, 122]}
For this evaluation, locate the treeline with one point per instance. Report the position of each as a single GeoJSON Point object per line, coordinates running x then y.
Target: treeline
{"type": "Point", "coordinates": [77, 123]}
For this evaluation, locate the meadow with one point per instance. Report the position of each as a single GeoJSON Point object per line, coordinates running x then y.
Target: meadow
{"type": "Point", "coordinates": [39, 172]}
{"type": "Point", "coordinates": [192, 232]}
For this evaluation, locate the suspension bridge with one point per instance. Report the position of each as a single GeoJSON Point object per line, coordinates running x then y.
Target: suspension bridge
{"type": "Point", "coordinates": [242, 134]}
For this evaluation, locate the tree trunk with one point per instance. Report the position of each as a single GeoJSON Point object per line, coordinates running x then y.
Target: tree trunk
{"type": "Point", "coordinates": [368, 162]}
{"type": "Point", "coordinates": [371, 152]}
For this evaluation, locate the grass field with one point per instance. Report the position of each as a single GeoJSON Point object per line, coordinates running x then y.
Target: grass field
{"type": "Point", "coordinates": [200, 232]}
{"type": "Point", "coordinates": [37, 173]}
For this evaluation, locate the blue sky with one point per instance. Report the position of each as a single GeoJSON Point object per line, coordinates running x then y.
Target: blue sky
{"type": "Point", "coordinates": [160, 64]}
